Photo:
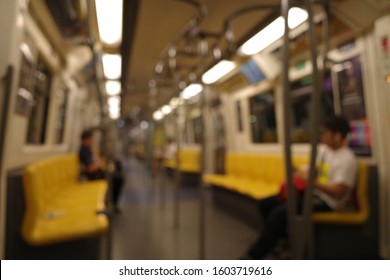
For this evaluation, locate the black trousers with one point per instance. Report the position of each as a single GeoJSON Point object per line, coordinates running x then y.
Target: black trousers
{"type": "Point", "coordinates": [274, 213]}
{"type": "Point", "coordinates": [116, 180]}
{"type": "Point", "coordinates": [117, 185]}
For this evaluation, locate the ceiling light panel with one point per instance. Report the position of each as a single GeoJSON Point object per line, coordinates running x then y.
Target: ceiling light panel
{"type": "Point", "coordinates": [273, 32]}
{"type": "Point", "coordinates": [218, 71]}
{"type": "Point", "coordinates": [109, 16]}
{"type": "Point", "coordinates": [113, 87]}
{"type": "Point", "coordinates": [112, 66]}
{"type": "Point", "coordinates": [191, 91]}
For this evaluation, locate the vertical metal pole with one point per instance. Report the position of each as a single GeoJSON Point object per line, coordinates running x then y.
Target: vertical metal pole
{"type": "Point", "coordinates": [163, 181]}
{"type": "Point", "coordinates": [7, 82]}
{"type": "Point", "coordinates": [286, 101]}
{"type": "Point", "coordinates": [202, 194]}
{"type": "Point", "coordinates": [203, 48]}
{"type": "Point", "coordinates": [6, 92]}
{"type": "Point", "coordinates": [314, 113]}
{"type": "Point", "coordinates": [176, 196]}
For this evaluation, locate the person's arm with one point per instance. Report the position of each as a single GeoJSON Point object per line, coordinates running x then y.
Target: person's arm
{"type": "Point", "coordinates": [89, 164]}
{"type": "Point", "coordinates": [335, 190]}
{"type": "Point", "coordinates": [301, 172]}
{"type": "Point", "coordinates": [95, 166]}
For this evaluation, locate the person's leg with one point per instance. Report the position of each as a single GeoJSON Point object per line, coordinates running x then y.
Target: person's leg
{"type": "Point", "coordinates": [267, 204]}
{"type": "Point", "coordinates": [320, 206]}
{"type": "Point", "coordinates": [274, 227]}
{"type": "Point", "coordinates": [117, 184]}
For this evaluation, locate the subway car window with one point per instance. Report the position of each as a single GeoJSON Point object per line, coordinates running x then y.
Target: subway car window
{"type": "Point", "coordinates": [300, 92]}
{"type": "Point", "coordinates": [262, 118]}
{"type": "Point", "coordinates": [62, 102]}
{"type": "Point", "coordinates": [300, 113]}
{"type": "Point", "coordinates": [24, 99]}
{"type": "Point", "coordinates": [36, 131]}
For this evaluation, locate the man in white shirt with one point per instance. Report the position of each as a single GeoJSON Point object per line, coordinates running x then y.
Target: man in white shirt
{"type": "Point", "coordinates": [336, 166]}
{"type": "Point", "coordinates": [335, 180]}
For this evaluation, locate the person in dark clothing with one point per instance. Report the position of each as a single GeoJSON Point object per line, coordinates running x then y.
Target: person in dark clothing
{"type": "Point", "coordinates": [336, 173]}
{"type": "Point", "coordinates": [117, 180]}
{"type": "Point", "coordinates": [91, 166]}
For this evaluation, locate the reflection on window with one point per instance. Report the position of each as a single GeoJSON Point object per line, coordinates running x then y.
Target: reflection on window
{"type": "Point", "coordinates": [262, 118]}
{"type": "Point", "coordinates": [36, 131]}
{"type": "Point", "coordinates": [301, 91]}
{"type": "Point", "coordinates": [62, 96]}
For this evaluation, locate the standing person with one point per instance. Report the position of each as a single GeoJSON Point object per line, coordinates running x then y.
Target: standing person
{"type": "Point", "coordinates": [91, 165]}
{"type": "Point", "coordinates": [336, 173]}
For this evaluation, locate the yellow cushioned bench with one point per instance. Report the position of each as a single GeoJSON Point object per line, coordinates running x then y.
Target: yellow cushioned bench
{"type": "Point", "coordinates": [58, 206]}
{"type": "Point", "coordinates": [352, 217]}
{"type": "Point", "coordinates": [254, 175]}
{"type": "Point", "coordinates": [259, 176]}
{"type": "Point", "coordinates": [189, 161]}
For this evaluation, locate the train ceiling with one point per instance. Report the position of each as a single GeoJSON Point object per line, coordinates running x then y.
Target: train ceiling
{"type": "Point", "coordinates": [158, 24]}
{"type": "Point", "coordinates": [151, 27]}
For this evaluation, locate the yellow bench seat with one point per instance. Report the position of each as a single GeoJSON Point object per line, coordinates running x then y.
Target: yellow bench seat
{"type": "Point", "coordinates": [256, 189]}
{"type": "Point", "coordinates": [58, 206]}
{"type": "Point", "coordinates": [260, 176]}
{"type": "Point", "coordinates": [170, 163]}
{"type": "Point", "coordinates": [64, 224]}
{"type": "Point", "coordinates": [351, 217]}
{"type": "Point", "coordinates": [189, 161]}
{"type": "Point", "coordinates": [254, 175]}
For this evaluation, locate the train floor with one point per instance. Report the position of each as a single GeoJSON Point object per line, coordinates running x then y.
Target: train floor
{"type": "Point", "coordinates": [145, 227]}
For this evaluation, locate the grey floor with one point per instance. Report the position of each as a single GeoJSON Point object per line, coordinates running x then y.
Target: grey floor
{"type": "Point", "coordinates": [145, 229]}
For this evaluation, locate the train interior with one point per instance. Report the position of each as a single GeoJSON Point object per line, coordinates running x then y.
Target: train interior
{"type": "Point", "coordinates": [198, 109]}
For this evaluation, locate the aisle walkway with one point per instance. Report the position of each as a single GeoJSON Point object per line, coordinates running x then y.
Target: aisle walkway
{"type": "Point", "coordinates": [145, 230]}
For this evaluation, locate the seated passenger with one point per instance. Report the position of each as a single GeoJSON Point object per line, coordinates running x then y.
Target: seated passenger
{"type": "Point", "coordinates": [335, 179]}
{"type": "Point", "coordinates": [91, 166]}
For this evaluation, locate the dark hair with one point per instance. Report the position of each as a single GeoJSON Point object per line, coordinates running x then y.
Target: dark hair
{"type": "Point", "coordinates": [337, 125]}
{"type": "Point", "coordinates": [86, 134]}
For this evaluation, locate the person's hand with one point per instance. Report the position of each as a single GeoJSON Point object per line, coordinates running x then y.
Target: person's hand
{"type": "Point", "coordinates": [302, 172]}
{"type": "Point", "coordinates": [102, 162]}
